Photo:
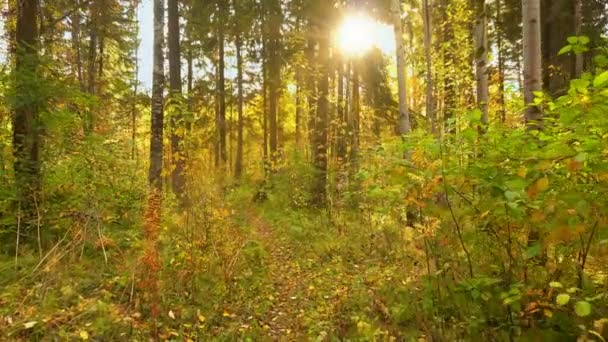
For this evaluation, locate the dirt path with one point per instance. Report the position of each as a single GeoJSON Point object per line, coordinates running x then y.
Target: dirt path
{"type": "Point", "coordinates": [284, 319]}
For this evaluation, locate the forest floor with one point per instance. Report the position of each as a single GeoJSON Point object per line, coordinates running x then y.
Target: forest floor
{"type": "Point", "coordinates": [263, 272]}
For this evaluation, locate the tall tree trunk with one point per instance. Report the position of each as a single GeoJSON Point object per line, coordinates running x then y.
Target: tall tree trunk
{"type": "Point", "coordinates": [76, 46]}
{"type": "Point", "coordinates": [26, 122]}
{"type": "Point", "coordinates": [298, 108]}
{"type": "Point", "coordinates": [238, 167]}
{"type": "Point", "coordinates": [175, 80]}
{"type": "Point", "coordinates": [274, 74]}
{"type": "Point", "coordinates": [322, 119]}
{"type": "Point", "coordinates": [404, 114]}
{"type": "Point", "coordinates": [481, 59]}
{"type": "Point", "coordinates": [578, 26]}
{"type": "Point", "coordinates": [221, 124]}
{"type": "Point", "coordinates": [89, 125]}
{"type": "Point", "coordinates": [450, 94]}
{"type": "Point", "coordinates": [430, 103]}
{"type": "Point", "coordinates": [311, 90]}
{"type": "Point", "coordinates": [532, 61]}
{"type": "Point", "coordinates": [265, 100]}
{"type": "Point", "coordinates": [354, 118]}
{"type": "Point", "coordinates": [157, 104]}
{"type": "Point", "coordinates": [501, 64]}
{"type": "Point", "coordinates": [341, 141]}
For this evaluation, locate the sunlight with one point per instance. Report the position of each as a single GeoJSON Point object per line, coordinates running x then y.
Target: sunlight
{"type": "Point", "coordinates": [357, 34]}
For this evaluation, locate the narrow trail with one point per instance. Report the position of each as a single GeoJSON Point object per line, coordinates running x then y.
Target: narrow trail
{"type": "Point", "coordinates": [284, 319]}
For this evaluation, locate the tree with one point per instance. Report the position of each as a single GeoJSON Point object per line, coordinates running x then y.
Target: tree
{"type": "Point", "coordinates": [274, 72]}
{"type": "Point", "coordinates": [157, 102]}
{"type": "Point", "coordinates": [238, 165]}
{"type": "Point", "coordinates": [481, 59]}
{"type": "Point", "coordinates": [430, 103]}
{"type": "Point", "coordinates": [175, 80]}
{"type": "Point", "coordinates": [26, 119]}
{"type": "Point", "coordinates": [322, 117]}
{"type": "Point", "coordinates": [404, 115]}
{"type": "Point", "coordinates": [532, 61]}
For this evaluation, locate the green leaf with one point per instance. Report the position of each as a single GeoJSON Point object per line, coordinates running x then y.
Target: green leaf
{"type": "Point", "coordinates": [562, 299]}
{"type": "Point", "coordinates": [556, 285]}
{"type": "Point", "coordinates": [584, 40]}
{"type": "Point", "coordinates": [601, 80]}
{"type": "Point", "coordinates": [582, 308]}
{"type": "Point", "coordinates": [573, 40]}
{"type": "Point", "coordinates": [533, 251]}
{"type": "Point", "coordinates": [565, 50]}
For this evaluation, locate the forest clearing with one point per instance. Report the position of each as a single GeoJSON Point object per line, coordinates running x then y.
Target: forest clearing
{"type": "Point", "coordinates": [304, 170]}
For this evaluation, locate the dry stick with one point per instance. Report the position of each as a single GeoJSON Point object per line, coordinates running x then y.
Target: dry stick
{"type": "Point", "coordinates": [38, 227]}
{"type": "Point", "coordinates": [18, 233]}
{"type": "Point", "coordinates": [447, 199]}
{"type": "Point", "coordinates": [585, 253]}
{"type": "Point", "coordinates": [103, 247]}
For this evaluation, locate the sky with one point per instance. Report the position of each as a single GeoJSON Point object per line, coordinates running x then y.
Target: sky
{"type": "Point", "coordinates": [381, 35]}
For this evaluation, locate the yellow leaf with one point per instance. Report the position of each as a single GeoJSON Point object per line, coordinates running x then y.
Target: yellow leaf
{"type": "Point", "coordinates": [84, 335]}
{"type": "Point", "coordinates": [201, 318]}
{"type": "Point", "coordinates": [522, 172]}
{"type": "Point", "coordinates": [542, 184]}
{"type": "Point", "coordinates": [226, 314]}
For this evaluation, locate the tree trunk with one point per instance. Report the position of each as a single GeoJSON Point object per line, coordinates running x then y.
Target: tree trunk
{"type": "Point", "coordinates": [312, 91]}
{"type": "Point", "coordinates": [532, 61]}
{"type": "Point", "coordinates": [274, 74]}
{"type": "Point", "coordinates": [481, 60]}
{"type": "Point", "coordinates": [158, 77]}
{"type": "Point", "coordinates": [501, 64]}
{"type": "Point", "coordinates": [578, 25]}
{"type": "Point", "coordinates": [92, 68]}
{"type": "Point", "coordinates": [175, 80]}
{"type": "Point", "coordinates": [404, 114]}
{"type": "Point", "coordinates": [353, 120]}
{"type": "Point", "coordinates": [76, 46]}
{"type": "Point", "coordinates": [238, 167]}
{"type": "Point", "coordinates": [26, 124]}
{"type": "Point", "coordinates": [430, 104]}
{"type": "Point", "coordinates": [221, 124]}
{"type": "Point", "coordinates": [321, 122]}
{"type": "Point", "coordinates": [341, 141]}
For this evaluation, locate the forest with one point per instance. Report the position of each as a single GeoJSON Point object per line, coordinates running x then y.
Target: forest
{"type": "Point", "coordinates": [304, 170]}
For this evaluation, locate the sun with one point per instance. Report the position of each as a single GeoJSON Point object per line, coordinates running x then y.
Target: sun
{"type": "Point", "coordinates": [355, 35]}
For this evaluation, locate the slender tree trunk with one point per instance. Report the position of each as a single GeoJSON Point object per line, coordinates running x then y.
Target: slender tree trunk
{"type": "Point", "coordinates": [450, 95]}
{"type": "Point", "coordinates": [430, 103]}
{"type": "Point", "coordinates": [238, 167]}
{"type": "Point", "coordinates": [26, 124]}
{"type": "Point", "coordinates": [221, 124]}
{"type": "Point", "coordinates": [175, 80]}
{"type": "Point", "coordinates": [532, 61]}
{"type": "Point", "coordinates": [404, 114]}
{"type": "Point", "coordinates": [76, 46]}
{"type": "Point", "coordinates": [265, 101]}
{"type": "Point", "coordinates": [354, 118]}
{"type": "Point", "coordinates": [322, 119]}
{"type": "Point", "coordinates": [89, 125]}
{"type": "Point", "coordinates": [134, 106]}
{"type": "Point", "coordinates": [157, 104]}
{"type": "Point", "coordinates": [481, 60]}
{"type": "Point", "coordinates": [501, 64]}
{"type": "Point", "coordinates": [274, 76]}
{"type": "Point", "coordinates": [578, 25]}
{"type": "Point", "coordinates": [341, 131]}
{"type": "Point", "coordinates": [298, 108]}
{"type": "Point", "coordinates": [311, 90]}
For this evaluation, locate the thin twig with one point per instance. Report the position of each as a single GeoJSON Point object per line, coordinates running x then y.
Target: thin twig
{"type": "Point", "coordinates": [18, 233]}
{"type": "Point", "coordinates": [103, 247]}
{"type": "Point", "coordinates": [38, 227]}
{"type": "Point", "coordinates": [447, 199]}
{"type": "Point", "coordinates": [585, 254]}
